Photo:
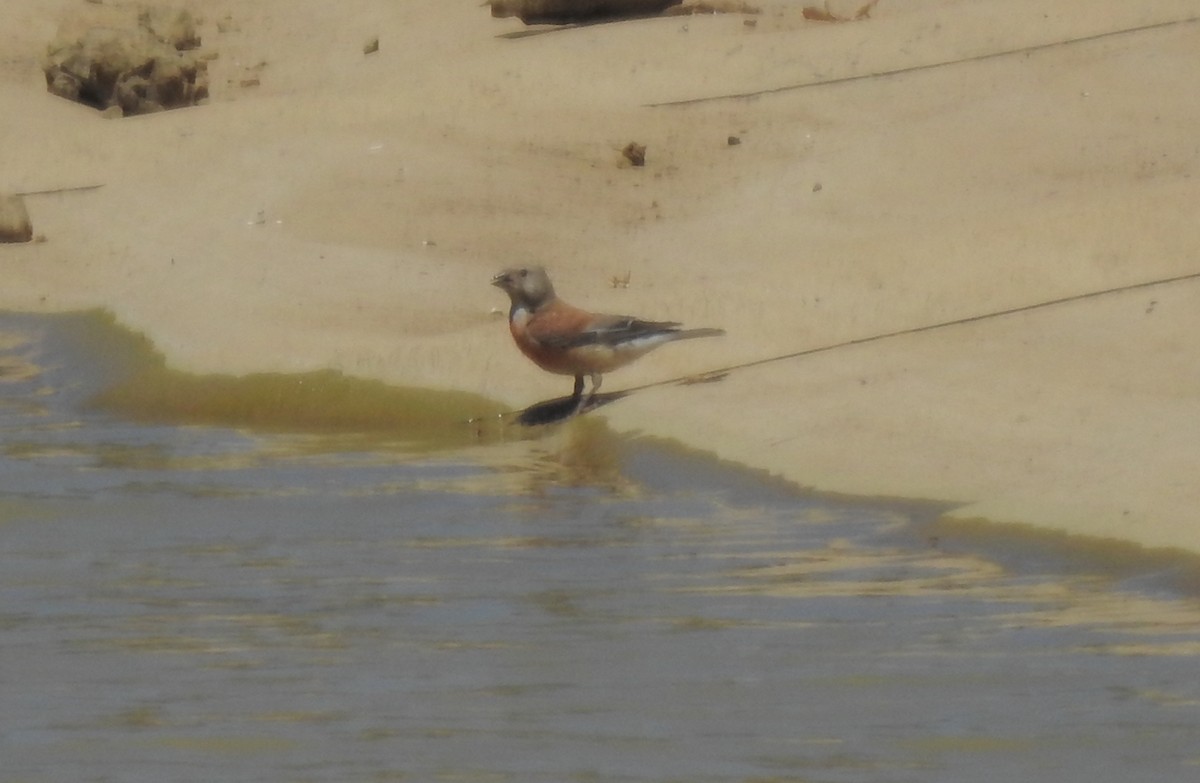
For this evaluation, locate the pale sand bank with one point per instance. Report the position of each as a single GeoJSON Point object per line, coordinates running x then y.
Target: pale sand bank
{"type": "Point", "coordinates": [349, 210]}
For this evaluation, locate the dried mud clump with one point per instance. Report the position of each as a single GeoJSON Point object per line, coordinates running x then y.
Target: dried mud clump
{"type": "Point", "coordinates": [147, 67]}
{"type": "Point", "coordinates": [569, 11]}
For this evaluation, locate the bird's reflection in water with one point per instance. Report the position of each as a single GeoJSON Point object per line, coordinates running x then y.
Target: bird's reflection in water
{"type": "Point", "coordinates": [578, 452]}
{"type": "Point", "coordinates": [562, 408]}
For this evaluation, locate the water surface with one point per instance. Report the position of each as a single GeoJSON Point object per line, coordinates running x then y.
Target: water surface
{"type": "Point", "coordinates": [186, 600]}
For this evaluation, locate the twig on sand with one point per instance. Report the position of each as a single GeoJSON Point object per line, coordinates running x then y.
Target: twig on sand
{"type": "Point", "coordinates": [924, 66]}
{"type": "Point", "coordinates": [52, 191]}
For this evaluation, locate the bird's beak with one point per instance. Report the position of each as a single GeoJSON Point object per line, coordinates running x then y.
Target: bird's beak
{"type": "Point", "coordinates": [499, 280]}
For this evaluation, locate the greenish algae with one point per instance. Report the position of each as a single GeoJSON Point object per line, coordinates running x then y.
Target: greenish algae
{"type": "Point", "coordinates": [325, 402]}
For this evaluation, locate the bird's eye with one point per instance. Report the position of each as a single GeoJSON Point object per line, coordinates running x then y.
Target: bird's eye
{"type": "Point", "coordinates": [523, 273]}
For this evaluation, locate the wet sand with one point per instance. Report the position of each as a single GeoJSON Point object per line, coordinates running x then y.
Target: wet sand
{"type": "Point", "coordinates": [347, 211]}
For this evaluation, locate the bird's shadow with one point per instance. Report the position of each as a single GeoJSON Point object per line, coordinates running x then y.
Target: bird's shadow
{"type": "Point", "coordinates": [563, 408]}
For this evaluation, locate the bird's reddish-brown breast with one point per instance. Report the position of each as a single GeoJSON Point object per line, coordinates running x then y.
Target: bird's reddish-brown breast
{"type": "Point", "coordinates": [544, 336]}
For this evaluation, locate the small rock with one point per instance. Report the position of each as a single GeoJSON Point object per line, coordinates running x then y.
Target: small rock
{"type": "Point", "coordinates": [14, 220]}
{"type": "Point", "coordinates": [733, 141]}
{"type": "Point", "coordinates": [635, 153]}
{"type": "Point", "coordinates": [371, 46]}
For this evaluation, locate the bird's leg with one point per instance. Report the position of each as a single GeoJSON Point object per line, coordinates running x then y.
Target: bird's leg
{"type": "Point", "coordinates": [596, 379]}
{"type": "Point", "coordinates": [578, 398]}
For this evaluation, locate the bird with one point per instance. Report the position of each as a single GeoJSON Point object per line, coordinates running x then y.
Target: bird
{"type": "Point", "coordinates": [567, 340]}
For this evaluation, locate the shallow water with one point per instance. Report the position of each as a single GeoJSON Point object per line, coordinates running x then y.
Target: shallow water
{"type": "Point", "coordinates": [194, 602]}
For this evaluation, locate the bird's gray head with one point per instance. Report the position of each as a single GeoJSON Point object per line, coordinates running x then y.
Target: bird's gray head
{"type": "Point", "coordinates": [527, 287]}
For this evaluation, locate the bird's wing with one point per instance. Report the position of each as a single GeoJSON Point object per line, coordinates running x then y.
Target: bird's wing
{"type": "Point", "coordinates": [608, 330]}
{"type": "Point", "coordinates": [621, 329]}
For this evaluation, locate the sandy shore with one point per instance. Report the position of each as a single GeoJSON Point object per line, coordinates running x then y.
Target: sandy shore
{"type": "Point", "coordinates": [348, 210]}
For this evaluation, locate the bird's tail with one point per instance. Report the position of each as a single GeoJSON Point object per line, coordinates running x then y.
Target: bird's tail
{"type": "Point", "coordinates": [688, 334]}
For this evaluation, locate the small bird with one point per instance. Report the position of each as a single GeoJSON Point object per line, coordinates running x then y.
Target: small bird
{"type": "Point", "coordinates": [563, 339]}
